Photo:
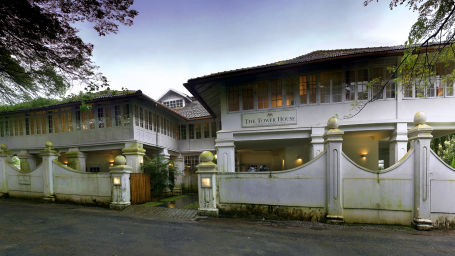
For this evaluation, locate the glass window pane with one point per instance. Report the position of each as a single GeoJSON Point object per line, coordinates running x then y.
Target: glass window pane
{"type": "Point", "coordinates": [324, 87]}
{"type": "Point", "coordinates": [290, 85]}
{"type": "Point", "coordinates": [233, 98]}
{"type": "Point", "coordinates": [337, 86]}
{"type": "Point", "coordinates": [191, 131]}
{"type": "Point", "coordinates": [378, 74]}
{"type": "Point", "coordinates": [312, 87]}
{"type": "Point", "coordinates": [349, 86]}
{"type": "Point", "coordinates": [263, 95]}
{"type": "Point", "coordinates": [277, 94]}
{"type": "Point", "coordinates": [362, 81]}
{"type": "Point", "coordinates": [247, 97]}
{"type": "Point", "coordinates": [303, 89]}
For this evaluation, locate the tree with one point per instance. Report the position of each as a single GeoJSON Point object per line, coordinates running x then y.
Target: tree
{"type": "Point", "coordinates": [429, 49]}
{"type": "Point", "coordinates": [40, 51]}
{"type": "Point", "coordinates": [162, 174]}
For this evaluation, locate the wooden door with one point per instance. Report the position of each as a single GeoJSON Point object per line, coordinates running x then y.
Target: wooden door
{"type": "Point", "coordinates": [140, 188]}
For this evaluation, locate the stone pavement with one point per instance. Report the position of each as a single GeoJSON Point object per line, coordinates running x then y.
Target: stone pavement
{"type": "Point", "coordinates": [156, 212]}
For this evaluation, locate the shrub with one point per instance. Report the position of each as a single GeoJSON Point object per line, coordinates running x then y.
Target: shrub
{"type": "Point", "coordinates": [162, 173]}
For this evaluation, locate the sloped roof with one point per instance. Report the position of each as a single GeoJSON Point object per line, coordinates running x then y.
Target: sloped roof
{"type": "Point", "coordinates": [172, 91]}
{"type": "Point", "coordinates": [315, 56]}
{"type": "Point", "coordinates": [193, 110]}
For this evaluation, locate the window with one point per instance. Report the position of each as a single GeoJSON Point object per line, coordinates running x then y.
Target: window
{"type": "Point", "coordinates": [50, 122]}
{"type": "Point", "coordinates": [391, 85]}
{"type": "Point", "coordinates": [290, 99]}
{"type": "Point", "coordinates": [136, 115]}
{"type": "Point", "coordinates": [141, 117]}
{"type": "Point", "coordinates": [277, 94]}
{"type": "Point", "coordinates": [150, 126]}
{"type": "Point", "coordinates": [449, 87]}
{"type": "Point", "coordinates": [233, 98]}
{"type": "Point", "coordinates": [174, 103]}
{"type": "Point", "coordinates": [312, 88]}
{"type": "Point", "coordinates": [337, 86]}
{"type": "Point", "coordinates": [214, 130]}
{"type": "Point", "coordinates": [263, 95]}
{"type": "Point", "coordinates": [191, 131]}
{"type": "Point", "coordinates": [362, 81]}
{"type": "Point", "coordinates": [78, 119]}
{"type": "Point", "coordinates": [349, 86]}
{"type": "Point", "coordinates": [197, 127]}
{"type": "Point", "coordinates": [324, 87]}
{"type": "Point", "coordinates": [247, 97]}
{"type": "Point", "coordinates": [126, 114]}
{"type": "Point", "coordinates": [191, 162]}
{"type": "Point", "coordinates": [117, 115]}
{"type": "Point", "coordinates": [182, 132]}
{"type": "Point", "coordinates": [100, 117]}
{"type": "Point", "coordinates": [94, 169]}
{"type": "Point", "coordinates": [378, 75]}
{"type": "Point", "coordinates": [303, 89]}
{"type": "Point", "coordinates": [206, 130]}
{"type": "Point", "coordinates": [27, 124]}
{"type": "Point", "coordinates": [32, 124]}
{"type": "Point", "coordinates": [108, 115]}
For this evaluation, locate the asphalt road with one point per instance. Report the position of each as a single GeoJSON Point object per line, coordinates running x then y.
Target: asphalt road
{"type": "Point", "coordinates": [31, 228]}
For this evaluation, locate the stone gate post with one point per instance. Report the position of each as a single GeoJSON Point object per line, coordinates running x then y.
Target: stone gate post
{"type": "Point", "coordinates": [334, 182]}
{"type": "Point", "coordinates": [49, 155]}
{"type": "Point", "coordinates": [134, 154]}
{"type": "Point", "coordinates": [206, 171]}
{"type": "Point", "coordinates": [120, 181]}
{"type": "Point", "coordinates": [420, 137]}
{"type": "Point", "coordinates": [3, 163]}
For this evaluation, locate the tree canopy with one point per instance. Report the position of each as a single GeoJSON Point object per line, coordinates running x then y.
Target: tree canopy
{"type": "Point", "coordinates": [40, 51]}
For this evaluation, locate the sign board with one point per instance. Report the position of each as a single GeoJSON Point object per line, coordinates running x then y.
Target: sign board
{"type": "Point", "coordinates": [269, 118]}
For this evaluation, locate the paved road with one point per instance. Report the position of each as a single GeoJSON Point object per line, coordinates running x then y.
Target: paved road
{"type": "Point", "coordinates": [29, 228]}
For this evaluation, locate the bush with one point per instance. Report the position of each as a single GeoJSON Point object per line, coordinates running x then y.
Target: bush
{"type": "Point", "coordinates": [162, 173]}
{"type": "Point", "coordinates": [445, 149]}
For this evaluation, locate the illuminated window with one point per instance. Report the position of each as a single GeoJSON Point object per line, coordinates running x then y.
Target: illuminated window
{"type": "Point", "coordinates": [290, 82]}
{"type": "Point", "coordinates": [233, 98]}
{"type": "Point", "coordinates": [277, 94]}
{"type": "Point", "coordinates": [263, 95]}
{"type": "Point", "coordinates": [247, 97]}
{"type": "Point", "coordinates": [303, 89]}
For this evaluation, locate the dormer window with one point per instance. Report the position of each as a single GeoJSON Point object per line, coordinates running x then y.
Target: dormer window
{"type": "Point", "coordinates": [174, 103]}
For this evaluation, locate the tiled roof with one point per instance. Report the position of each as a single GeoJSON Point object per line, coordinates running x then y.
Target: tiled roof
{"type": "Point", "coordinates": [193, 110]}
{"type": "Point", "coordinates": [315, 56]}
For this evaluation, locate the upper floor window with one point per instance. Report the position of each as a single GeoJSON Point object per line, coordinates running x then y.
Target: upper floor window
{"type": "Point", "coordinates": [247, 97]}
{"type": "Point", "coordinates": [362, 81]}
{"type": "Point", "coordinates": [277, 93]}
{"type": "Point", "coordinates": [233, 98]}
{"type": "Point", "coordinates": [290, 85]}
{"type": "Point", "coordinates": [174, 103]}
{"type": "Point", "coordinates": [263, 95]}
{"type": "Point", "coordinates": [324, 87]}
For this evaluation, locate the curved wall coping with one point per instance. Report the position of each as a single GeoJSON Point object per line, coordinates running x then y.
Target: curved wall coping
{"type": "Point", "coordinates": [389, 169]}
{"type": "Point", "coordinates": [69, 169]}
{"type": "Point", "coordinates": [277, 172]}
{"type": "Point", "coordinates": [442, 161]}
{"type": "Point", "coordinates": [13, 167]}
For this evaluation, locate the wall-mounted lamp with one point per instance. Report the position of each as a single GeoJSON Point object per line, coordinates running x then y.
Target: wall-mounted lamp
{"type": "Point", "coordinates": [141, 160]}
{"type": "Point", "coordinates": [171, 164]}
{"type": "Point", "coordinates": [111, 163]}
{"type": "Point", "coordinates": [117, 181]}
{"type": "Point", "coordinates": [206, 182]}
{"type": "Point", "coordinates": [65, 162]}
{"type": "Point", "coordinates": [363, 156]}
{"type": "Point", "coordinates": [214, 156]}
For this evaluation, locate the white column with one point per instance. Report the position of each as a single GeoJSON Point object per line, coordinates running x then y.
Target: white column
{"type": "Point", "coordinates": [120, 180]}
{"type": "Point", "coordinates": [225, 151]}
{"type": "Point", "coordinates": [134, 154]}
{"type": "Point", "coordinates": [3, 163]}
{"type": "Point", "coordinates": [180, 165]}
{"type": "Point", "coordinates": [317, 141]}
{"type": "Point", "coordinates": [420, 137]}
{"type": "Point", "coordinates": [334, 197]}
{"type": "Point", "coordinates": [398, 143]}
{"type": "Point", "coordinates": [49, 155]}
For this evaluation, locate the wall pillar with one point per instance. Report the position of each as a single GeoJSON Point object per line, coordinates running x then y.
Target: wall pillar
{"type": "Point", "coordinates": [207, 187]}
{"type": "Point", "coordinates": [134, 154]}
{"type": "Point", "coordinates": [49, 155]}
{"type": "Point", "coordinates": [317, 141]}
{"type": "Point", "coordinates": [27, 161]}
{"type": "Point", "coordinates": [180, 166]}
{"type": "Point", "coordinates": [4, 154]}
{"type": "Point", "coordinates": [420, 137]}
{"type": "Point", "coordinates": [398, 143]}
{"type": "Point", "coordinates": [120, 181]}
{"type": "Point", "coordinates": [225, 152]}
{"type": "Point", "coordinates": [334, 181]}
{"type": "Point", "coordinates": [166, 156]}
{"type": "Point", "coordinates": [76, 159]}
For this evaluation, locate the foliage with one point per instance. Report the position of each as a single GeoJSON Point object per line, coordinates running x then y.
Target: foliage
{"type": "Point", "coordinates": [445, 148]}
{"type": "Point", "coordinates": [162, 173]}
{"type": "Point", "coordinates": [40, 51]}
{"type": "Point", "coordinates": [82, 97]}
